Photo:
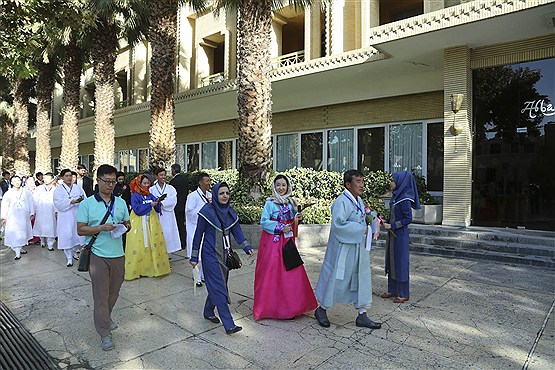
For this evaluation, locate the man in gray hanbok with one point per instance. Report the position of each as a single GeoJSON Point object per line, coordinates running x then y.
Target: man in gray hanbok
{"type": "Point", "coordinates": [346, 274]}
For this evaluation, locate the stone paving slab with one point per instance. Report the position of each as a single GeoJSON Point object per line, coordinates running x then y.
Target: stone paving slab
{"type": "Point", "coordinates": [462, 314]}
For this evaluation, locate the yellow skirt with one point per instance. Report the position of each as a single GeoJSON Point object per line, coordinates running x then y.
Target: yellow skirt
{"type": "Point", "coordinates": [145, 248]}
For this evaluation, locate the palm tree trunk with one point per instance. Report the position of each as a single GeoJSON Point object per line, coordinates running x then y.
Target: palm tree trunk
{"type": "Point", "coordinates": [21, 129]}
{"type": "Point", "coordinates": [104, 52]}
{"type": "Point", "coordinates": [73, 64]}
{"type": "Point", "coordinates": [163, 38]}
{"type": "Point", "coordinates": [254, 91]}
{"type": "Point", "coordinates": [7, 126]}
{"type": "Point", "coordinates": [45, 86]}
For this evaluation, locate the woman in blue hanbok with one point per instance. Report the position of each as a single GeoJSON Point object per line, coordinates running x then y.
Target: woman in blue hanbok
{"type": "Point", "coordinates": [404, 198]}
{"type": "Point", "coordinates": [216, 221]}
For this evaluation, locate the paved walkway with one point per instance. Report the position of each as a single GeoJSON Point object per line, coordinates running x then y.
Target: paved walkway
{"type": "Point", "coordinates": [462, 314]}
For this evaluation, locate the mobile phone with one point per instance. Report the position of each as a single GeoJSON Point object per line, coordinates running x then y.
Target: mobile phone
{"type": "Point", "coordinates": [162, 197]}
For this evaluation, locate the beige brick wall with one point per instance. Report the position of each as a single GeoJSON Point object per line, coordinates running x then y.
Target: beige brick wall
{"type": "Point", "coordinates": [457, 179]}
{"type": "Point", "coordinates": [208, 132]}
{"type": "Point", "coordinates": [514, 52]}
{"type": "Point", "coordinates": [395, 109]}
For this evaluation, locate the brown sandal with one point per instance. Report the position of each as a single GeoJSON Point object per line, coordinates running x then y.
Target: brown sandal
{"type": "Point", "coordinates": [388, 295]}
{"type": "Point", "coordinates": [400, 300]}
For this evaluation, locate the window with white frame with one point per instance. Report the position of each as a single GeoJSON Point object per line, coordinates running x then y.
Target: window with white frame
{"type": "Point", "coordinates": [180, 158]}
{"type": "Point", "coordinates": [405, 148]}
{"type": "Point", "coordinates": [210, 155]}
{"type": "Point", "coordinates": [193, 160]}
{"type": "Point", "coordinates": [340, 150]}
{"type": "Point", "coordinates": [126, 160]}
{"type": "Point", "coordinates": [416, 147]}
{"type": "Point", "coordinates": [208, 158]}
{"type": "Point", "coordinates": [371, 149]}
{"type": "Point", "coordinates": [312, 155]}
{"type": "Point", "coordinates": [286, 152]}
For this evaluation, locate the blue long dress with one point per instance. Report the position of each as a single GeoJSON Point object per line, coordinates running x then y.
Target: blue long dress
{"type": "Point", "coordinates": [405, 197]}
{"type": "Point", "coordinates": [215, 271]}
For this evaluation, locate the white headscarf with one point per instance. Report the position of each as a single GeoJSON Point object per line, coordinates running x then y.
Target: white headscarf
{"type": "Point", "coordinates": [282, 199]}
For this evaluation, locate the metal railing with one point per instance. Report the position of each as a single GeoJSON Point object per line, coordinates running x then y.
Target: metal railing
{"type": "Point", "coordinates": [212, 79]}
{"type": "Point", "coordinates": [288, 59]}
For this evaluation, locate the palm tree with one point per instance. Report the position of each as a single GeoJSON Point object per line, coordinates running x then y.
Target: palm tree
{"type": "Point", "coordinates": [22, 93]}
{"type": "Point", "coordinates": [7, 127]}
{"type": "Point", "coordinates": [254, 88]}
{"type": "Point", "coordinates": [104, 53]}
{"type": "Point", "coordinates": [113, 19]}
{"type": "Point", "coordinates": [73, 65]}
{"type": "Point", "coordinates": [162, 34]}
{"type": "Point", "coordinates": [45, 87]}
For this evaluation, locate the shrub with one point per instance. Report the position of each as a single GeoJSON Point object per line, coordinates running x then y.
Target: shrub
{"type": "Point", "coordinates": [310, 187]}
{"type": "Point", "coordinates": [425, 197]}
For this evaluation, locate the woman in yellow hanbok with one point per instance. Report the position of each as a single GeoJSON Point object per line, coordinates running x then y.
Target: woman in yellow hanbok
{"type": "Point", "coordinates": [145, 250]}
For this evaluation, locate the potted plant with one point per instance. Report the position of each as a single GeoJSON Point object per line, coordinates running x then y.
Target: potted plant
{"type": "Point", "coordinates": [431, 210]}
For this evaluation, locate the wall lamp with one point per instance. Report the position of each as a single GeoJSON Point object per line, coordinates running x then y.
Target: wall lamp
{"type": "Point", "coordinates": [456, 104]}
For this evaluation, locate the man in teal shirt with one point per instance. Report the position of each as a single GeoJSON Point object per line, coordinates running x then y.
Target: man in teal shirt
{"type": "Point", "coordinates": [107, 257]}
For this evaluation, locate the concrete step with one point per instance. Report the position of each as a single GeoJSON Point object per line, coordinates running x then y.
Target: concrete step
{"type": "Point", "coordinates": [486, 245]}
{"type": "Point", "coordinates": [530, 237]}
{"type": "Point", "coordinates": [532, 260]}
{"type": "Point", "coordinates": [509, 246]}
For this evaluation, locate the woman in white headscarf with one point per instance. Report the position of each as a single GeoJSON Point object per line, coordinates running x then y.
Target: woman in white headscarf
{"type": "Point", "coordinates": [278, 293]}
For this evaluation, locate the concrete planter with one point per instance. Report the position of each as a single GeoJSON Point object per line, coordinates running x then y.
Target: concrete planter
{"type": "Point", "coordinates": [429, 214]}
{"type": "Point", "coordinates": [309, 235]}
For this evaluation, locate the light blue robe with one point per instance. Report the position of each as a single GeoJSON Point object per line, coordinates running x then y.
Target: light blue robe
{"type": "Point", "coordinates": [346, 275]}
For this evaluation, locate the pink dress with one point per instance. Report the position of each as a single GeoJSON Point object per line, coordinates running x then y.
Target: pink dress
{"type": "Point", "coordinates": [278, 294]}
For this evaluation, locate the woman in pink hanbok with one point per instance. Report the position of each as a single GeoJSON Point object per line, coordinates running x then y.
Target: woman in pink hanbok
{"type": "Point", "coordinates": [279, 294]}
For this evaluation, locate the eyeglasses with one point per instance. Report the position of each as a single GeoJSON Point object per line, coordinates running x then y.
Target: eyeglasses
{"type": "Point", "coordinates": [108, 182]}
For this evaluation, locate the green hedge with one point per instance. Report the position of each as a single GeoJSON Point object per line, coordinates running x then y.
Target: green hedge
{"type": "Point", "coordinates": [314, 190]}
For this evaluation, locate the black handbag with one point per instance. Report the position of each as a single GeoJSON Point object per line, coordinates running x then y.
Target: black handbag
{"type": "Point", "coordinates": [85, 255]}
{"type": "Point", "coordinates": [291, 256]}
{"type": "Point", "coordinates": [232, 260]}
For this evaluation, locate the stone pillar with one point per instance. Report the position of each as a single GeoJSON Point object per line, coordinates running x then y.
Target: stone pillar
{"type": "Point", "coordinates": [140, 73]}
{"type": "Point", "coordinates": [365, 24]}
{"type": "Point", "coordinates": [374, 13]}
{"type": "Point", "coordinates": [433, 5]}
{"type": "Point", "coordinates": [184, 38]}
{"type": "Point", "coordinates": [457, 180]}
{"type": "Point", "coordinates": [336, 26]}
{"type": "Point", "coordinates": [312, 36]}
{"type": "Point", "coordinates": [230, 55]}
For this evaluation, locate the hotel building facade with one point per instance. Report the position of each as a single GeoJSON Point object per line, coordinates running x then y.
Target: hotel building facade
{"type": "Point", "coordinates": [369, 84]}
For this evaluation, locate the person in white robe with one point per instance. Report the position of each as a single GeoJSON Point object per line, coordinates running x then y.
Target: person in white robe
{"type": "Point", "coordinates": [346, 275]}
{"type": "Point", "coordinates": [45, 213]}
{"type": "Point", "coordinates": [195, 201]}
{"type": "Point", "coordinates": [167, 216]}
{"type": "Point", "coordinates": [67, 197]}
{"type": "Point", "coordinates": [17, 211]}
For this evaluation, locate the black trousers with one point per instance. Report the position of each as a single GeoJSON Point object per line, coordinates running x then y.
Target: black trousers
{"type": "Point", "coordinates": [180, 218]}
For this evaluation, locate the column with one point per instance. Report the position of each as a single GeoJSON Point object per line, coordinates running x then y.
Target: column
{"type": "Point", "coordinates": [457, 180]}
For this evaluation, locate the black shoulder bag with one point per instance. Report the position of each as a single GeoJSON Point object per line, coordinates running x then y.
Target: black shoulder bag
{"type": "Point", "coordinates": [232, 260]}
{"type": "Point", "coordinates": [85, 256]}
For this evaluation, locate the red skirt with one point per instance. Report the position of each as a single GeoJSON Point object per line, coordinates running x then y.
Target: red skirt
{"type": "Point", "coordinates": [279, 294]}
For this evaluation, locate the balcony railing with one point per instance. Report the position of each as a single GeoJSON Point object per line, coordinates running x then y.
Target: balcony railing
{"type": "Point", "coordinates": [288, 59]}
{"type": "Point", "coordinates": [212, 79]}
